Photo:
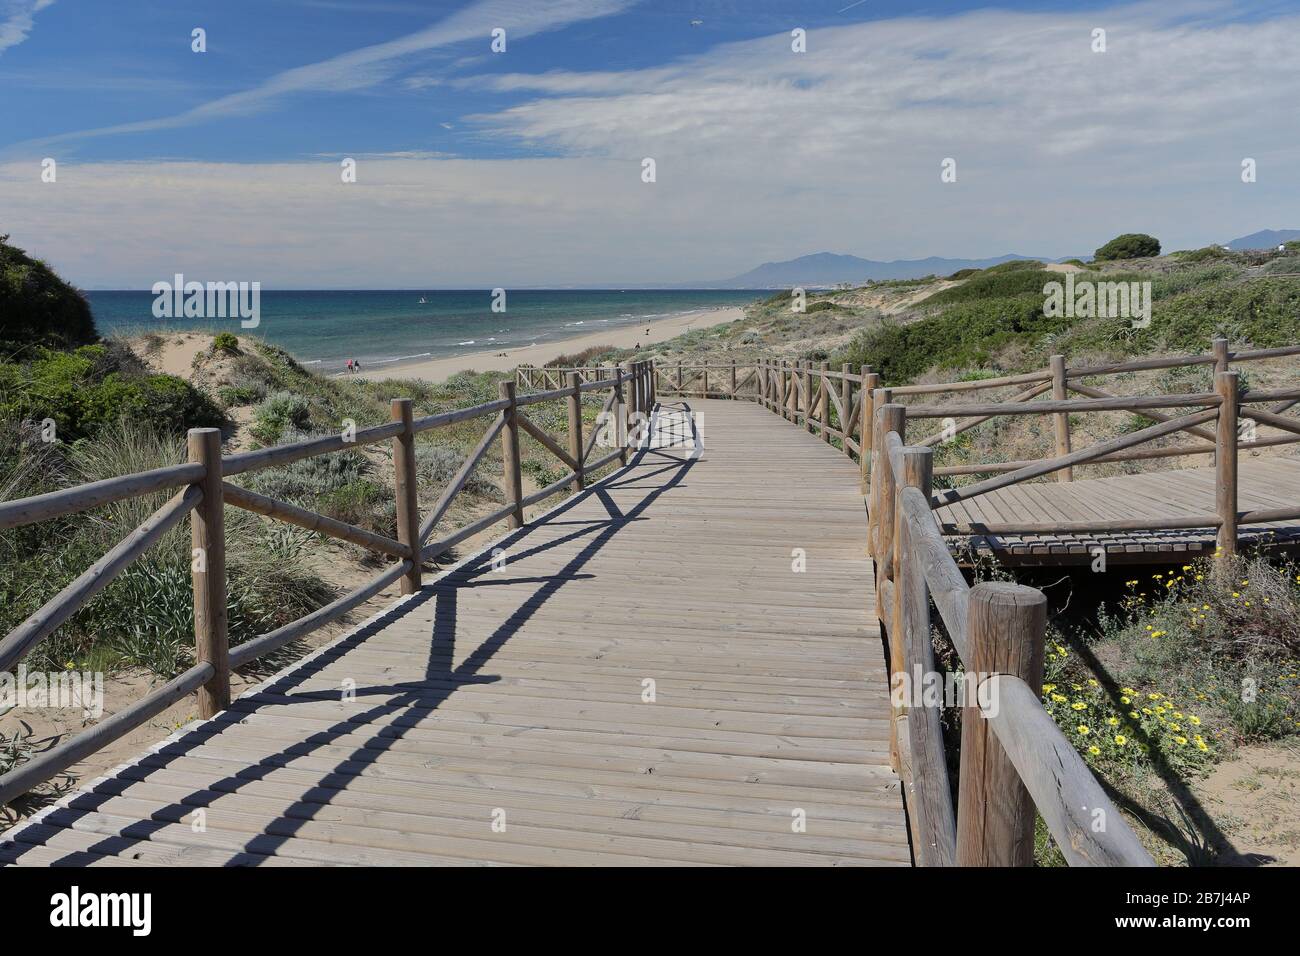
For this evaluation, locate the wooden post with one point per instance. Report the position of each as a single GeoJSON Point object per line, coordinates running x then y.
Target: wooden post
{"type": "Point", "coordinates": [208, 572]}
{"type": "Point", "coordinates": [825, 418]}
{"type": "Point", "coordinates": [575, 427]}
{"type": "Point", "coordinates": [680, 380]}
{"type": "Point", "coordinates": [620, 415]}
{"type": "Point", "coordinates": [635, 400]}
{"type": "Point", "coordinates": [733, 380]}
{"type": "Point", "coordinates": [889, 418]}
{"type": "Point", "coordinates": [704, 381]}
{"type": "Point", "coordinates": [1219, 348]}
{"type": "Point", "coordinates": [879, 398]}
{"type": "Point", "coordinates": [1225, 476]}
{"type": "Point", "coordinates": [653, 374]}
{"type": "Point", "coordinates": [792, 391]}
{"type": "Point", "coordinates": [846, 392]}
{"type": "Point", "coordinates": [1062, 418]}
{"type": "Point", "coordinates": [911, 600]}
{"type": "Point", "coordinates": [807, 396]}
{"type": "Point", "coordinates": [408, 507]}
{"type": "Point", "coordinates": [995, 814]}
{"type": "Point", "coordinates": [796, 390]}
{"type": "Point", "coordinates": [866, 425]}
{"type": "Point", "coordinates": [780, 388]}
{"type": "Point", "coordinates": [510, 457]}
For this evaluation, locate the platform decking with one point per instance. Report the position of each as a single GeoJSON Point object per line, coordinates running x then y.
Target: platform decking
{"type": "Point", "coordinates": [1264, 483]}
{"type": "Point", "coordinates": [514, 697]}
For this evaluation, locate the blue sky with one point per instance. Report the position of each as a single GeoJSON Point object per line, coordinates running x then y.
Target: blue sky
{"type": "Point", "coordinates": [479, 168]}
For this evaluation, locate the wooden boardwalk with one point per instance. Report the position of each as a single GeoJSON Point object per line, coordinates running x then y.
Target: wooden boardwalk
{"type": "Point", "coordinates": [501, 716]}
{"type": "Point", "coordinates": [1265, 483]}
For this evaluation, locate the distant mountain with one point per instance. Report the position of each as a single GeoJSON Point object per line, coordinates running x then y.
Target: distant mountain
{"type": "Point", "coordinates": [1265, 239]}
{"type": "Point", "coordinates": [828, 269]}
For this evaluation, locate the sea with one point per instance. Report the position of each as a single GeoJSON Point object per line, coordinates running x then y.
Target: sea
{"type": "Point", "coordinates": [324, 329]}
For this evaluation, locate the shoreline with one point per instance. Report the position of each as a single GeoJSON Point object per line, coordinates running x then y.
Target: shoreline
{"type": "Point", "coordinates": [537, 353]}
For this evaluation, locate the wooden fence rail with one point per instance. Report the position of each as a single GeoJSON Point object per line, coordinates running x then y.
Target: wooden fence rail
{"type": "Point", "coordinates": [204, 493]}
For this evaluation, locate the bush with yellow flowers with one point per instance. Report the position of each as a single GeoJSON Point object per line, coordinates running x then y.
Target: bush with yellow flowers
{"type": "Point", "coordinates": [1197, 660]}
{"type": "Point", "coordinates": [1123, 726]}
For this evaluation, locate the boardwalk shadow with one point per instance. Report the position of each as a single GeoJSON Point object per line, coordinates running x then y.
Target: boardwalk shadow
{"type": "Point", "coordinates": [405, 705]}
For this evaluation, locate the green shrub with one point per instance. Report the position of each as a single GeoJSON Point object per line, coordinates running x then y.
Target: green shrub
{"type": "Point", "coordinates": [964, 335]}
{"type": "Point", "coordinates": [1263, 312]}
{"type": "Point", "coordinates": [437, 465]}
{"type": "Point", "coordinates": [37, 308]}
{"type": "Point", "coordinates": [225, 342]}
{"type": "Point", "coordinates": [991, 285]}
{"type": "Point", "coordinates": [305, 481]}
{"type": "Point", "coordinates": [1204, 254]}
{"type": "Point", "coordinates": [280, 411]}
{"type": "Point", "coordinates": [364, 503]}
{"type": "Point", "coordinates": [1017, 265]}
{"type": "Point", "coordinates": [1287, 264]}
{"type": "Point", "coordinates": [83, 390]}
{"type": "Point", "coordinates": [233, 396]}
{"type": "Point", "coordinates": [1131, 245]}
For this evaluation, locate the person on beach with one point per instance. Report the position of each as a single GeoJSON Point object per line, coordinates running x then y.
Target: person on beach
{"type": "Point", "coordinates": [349, 365]}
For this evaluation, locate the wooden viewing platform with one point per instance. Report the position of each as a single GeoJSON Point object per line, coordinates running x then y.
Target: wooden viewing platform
{"type": "Point", "coordinates": [519, 692]}
{"type": "Point", "coordinates": [1135, 499]}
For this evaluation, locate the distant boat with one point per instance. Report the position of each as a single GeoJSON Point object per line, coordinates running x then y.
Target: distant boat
{"type": "Point", "coordinates": [423, 301]}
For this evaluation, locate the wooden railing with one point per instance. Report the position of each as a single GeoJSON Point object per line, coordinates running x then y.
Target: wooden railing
{"type": "Point", "coordinates": [1015, 762]}
{"type": "Point", "coordinates": [203, 492]}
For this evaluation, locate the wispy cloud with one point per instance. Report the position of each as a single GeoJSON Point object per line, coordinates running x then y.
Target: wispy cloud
{"type": "Point", "coordinates": [17, 17]}
{"type": "Point", "coordinates": [368, 66]}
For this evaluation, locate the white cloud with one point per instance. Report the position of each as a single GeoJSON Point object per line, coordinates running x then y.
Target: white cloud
{"type": "Point", "coordinates": [762, 154]}
{"type": "Point", "coordinates": [368, 66]}
{"type": "Point", "coordinates": [17, 17]}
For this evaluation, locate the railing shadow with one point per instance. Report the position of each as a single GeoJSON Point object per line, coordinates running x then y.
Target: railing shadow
{"type": "Point", "coordinates": [412, 702]}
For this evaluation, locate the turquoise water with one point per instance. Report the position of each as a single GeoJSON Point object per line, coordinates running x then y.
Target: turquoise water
{"type": "Point", "coordinates": [326, 329]}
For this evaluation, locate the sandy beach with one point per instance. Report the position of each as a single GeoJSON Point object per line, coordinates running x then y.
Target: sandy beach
{"type": "Point", "coordinates": [623, 337]}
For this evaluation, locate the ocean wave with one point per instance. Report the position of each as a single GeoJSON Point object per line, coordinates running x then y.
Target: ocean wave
{"type": "Point", "coordinates": [399, 358]}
